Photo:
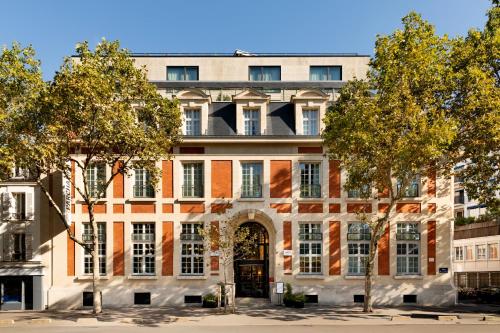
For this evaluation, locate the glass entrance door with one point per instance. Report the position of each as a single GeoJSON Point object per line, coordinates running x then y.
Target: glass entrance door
{"type": "Point", "coordinates": [252, 271]}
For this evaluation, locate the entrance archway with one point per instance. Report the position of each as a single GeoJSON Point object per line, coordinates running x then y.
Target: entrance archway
{"type": "Point", "coordinates": [251, 272]}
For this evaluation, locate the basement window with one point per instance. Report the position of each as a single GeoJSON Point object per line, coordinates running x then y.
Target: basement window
{"type": "Point", "coordinates": [192, 299]}
{"type": "Point", "coordinates": [88, 298]}
{"type": "Point", "coordinates": [312, 299]}
{"type": "Point", "coordinates": [142, 298]}
{"type": "Point", "coordinates": [410, 299]}
{"type": "Point", "coordinates": [359, 298]}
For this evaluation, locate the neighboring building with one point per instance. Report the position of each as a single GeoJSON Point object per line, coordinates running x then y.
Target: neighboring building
{"type": "Point", "coordinates": [476, 260]}
{"type": "Point", "coordinates": [251, 136]}
{"type": "Point", "coordinates": [21, 269]}
{"type": "Point", "coordinates": [465, 206]}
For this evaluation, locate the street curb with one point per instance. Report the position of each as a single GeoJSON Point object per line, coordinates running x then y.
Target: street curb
{"type": "Point", "coordinates": [87, 321]}
{"type": "Point", "coordinates": [398, 318]}
{"type": "Point", "coordinates": [491, 318]}
{"type": "Point", "coordinates": [40, 321]}
{"type": "Point", "coordinates": [447, 318]}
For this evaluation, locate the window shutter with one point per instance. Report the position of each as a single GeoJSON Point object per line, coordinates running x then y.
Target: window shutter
{"type": "Point", "coordinates": [6, 209]}
{"type": "Point", "coordinates": [29, 246]}
{"type": "Point", "coordinates": [8, 244]}
{"type": "Point", "coordinates": [29, 206]}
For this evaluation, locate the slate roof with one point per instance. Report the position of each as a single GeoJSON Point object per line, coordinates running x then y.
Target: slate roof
{"type": "Point", "coordinates": [280, 119]}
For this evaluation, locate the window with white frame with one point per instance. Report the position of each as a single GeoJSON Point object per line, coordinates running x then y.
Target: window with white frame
{"type": "Point", "coordinates": [251, 119]}
{"type": "Point", "coordinates": [412, 190]}
{"type": "Point", "coordinates": [481, 252]}
{"type": "Point", "coordinates": [19, 250]}
{"type": "Point", "coordinates": [310, 186]}
{"type": "Point", "coordinates": [191, 249]}
{"type": "Point", "coordinates": [310, 123]}
{"type": "Point", "coordinates": [408, 248]}
{"type": "Point", "coordinates": [469, 253]}
{"type": "Point", "coordinates": [251, 180]}
{"type": "Point", "coordinates": [143, 241]}
{"type": "Point", "coordinates": [362, 192]}
{"type": "Point", "coordinates": [143, 188]}
{"type": "Point", "coordinates": [192, 122]}
{"type": "Point", "coordinates": [358, 245]}
{"type": "Point", "coordinates": [88, 264]}
{"type": "Point", "coordinates": [19, 205]}
{"type": "Point", "coordinates": [96, 179]}
{"type": "Point", "coordinates": [310, 248]}
{"type": "Point", "coordinates": [459, 253]}
{"type": "Point", "coordinates": [193, 180]}
{"type": "Point", "coordinates": [493, 251]}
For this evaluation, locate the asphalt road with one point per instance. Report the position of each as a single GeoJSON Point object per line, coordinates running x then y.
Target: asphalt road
{"type": "Point", "coordinates": [417, 328]}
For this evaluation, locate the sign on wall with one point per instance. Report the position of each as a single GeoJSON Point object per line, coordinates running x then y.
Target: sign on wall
{"type": "Point", "coordinates": [280, 286]}
{"type": "Point", "coordinates": [66, 184]}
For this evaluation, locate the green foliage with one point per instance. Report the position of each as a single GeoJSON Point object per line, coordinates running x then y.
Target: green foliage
{"type": "Point", "coordinates": [394, 125]}
{"type": "Point", "coordinates": [464, 220]}
{"type": "Point", "coordinates": [210, 297]}
{"type": "Point", "coordinates": [21, 86]}
{"type": "Point", "coordinates": [476, 105]}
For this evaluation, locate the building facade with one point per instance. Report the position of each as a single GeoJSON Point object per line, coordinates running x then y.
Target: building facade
{"type": "Point", "coordinates": [21, 267]}
{"type": "Point", "coordinates": [476, 260]}
{"type": "Point", "coordinates": [251, 130]}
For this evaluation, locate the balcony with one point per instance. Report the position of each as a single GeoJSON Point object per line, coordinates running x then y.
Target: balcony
{"type": "Point", "coordinates": [408, 236]}
{"type": "Point", "coordinates": [358, 236]}
{"type": "Point", "coordinates": [192, 191]}
{"type": "Point", "coordinates": [251, 191]}
{"type": "Point", "coordinates": [144, 191]}
{"type": "Point", "coordinates": [459, 197]}
{"type": "Point", "coordinates": [310, 191]}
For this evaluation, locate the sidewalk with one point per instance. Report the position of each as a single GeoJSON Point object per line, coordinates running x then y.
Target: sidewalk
{"type": "Point", "coordinates": [257, 315]}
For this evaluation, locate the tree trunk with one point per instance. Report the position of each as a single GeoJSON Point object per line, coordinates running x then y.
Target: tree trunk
{"type": "Point", "coordinates": [368, 304]}
{"type": "Point", "coordinates": [97, 308]}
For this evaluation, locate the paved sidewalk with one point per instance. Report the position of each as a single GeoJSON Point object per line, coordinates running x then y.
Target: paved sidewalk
{"type": "Point", "coordinates": [257, 315]}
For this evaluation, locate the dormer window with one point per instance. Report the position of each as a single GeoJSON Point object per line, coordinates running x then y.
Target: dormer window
{"type": "Point", "coordinates": [310, 121]}
{"type": "Point", "coordinates": [325, 73]}
{"type": "Point", "coordinates": [192, 122]}
{"type": "Point", "coordinates": [182, 73]}
{"type": "Point", "coordinates": [252, 121]}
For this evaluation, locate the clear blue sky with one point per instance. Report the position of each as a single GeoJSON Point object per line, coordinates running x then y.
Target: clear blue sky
{"type": "Point", "coordinates": [54, 27]}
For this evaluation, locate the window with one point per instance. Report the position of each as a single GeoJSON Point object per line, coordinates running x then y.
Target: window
{"type": "Point", "coordinates": [251, 119]}
{"type": "Point", "coordinates": [87, 298]}
{"type": "Point", "coordinates": [358, 244]}
{"type": "Point", "coordinates": [192, 122]}
{"type": "Point", "coordinates": [310, 238]}
{"type": "Point", "coordinates": [191, 249]}
{"type": "Point", "coordinates": [96, 178]}
{"type": "Point", "coordinates": [469, 253]}
{"type": "Point", "coordinates": [363, 192]}
{"type": "Point", "coordinates": [493, 251]}
{"type": "Point", "coordinates": [143, 188]}
{"type": "Point", "coordinates": [182, 73]}
{"type": "Point", "coordinates": [193, 180]}
{"type": "Point", "coordinates": [310, 186]}
{"type": "Point", "coordinates": [325, 73]}
{"type": "Point", "coordinates": [481, 252]}
{"type": "Point", "coordinates": [407, 248]}
{"type": "Point", "coordinates": [143, 239]}
{"type": "Point", "coordinates": [310, 122]}
{"type": "Point", "coordinates": [251, 185]}
{"type": "Point", "coordinates": [20, 205]}
{"type": "Point", "coordinates": [264, 73]}
{"type": "Point", "coordinates": [142, 298]}
{"type": "Point", "coordinates": [101, 248]}
{"type": "Point", "coordinates": [412, 190]}
{"type": "Point", "coordinates": [459, 253]}
{"type": "Point", "coordinates": [459, 197]}
{"type": "Point", "coordinates": [19, 251]}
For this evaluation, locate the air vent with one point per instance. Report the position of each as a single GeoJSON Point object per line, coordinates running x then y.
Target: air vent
{"type": "Point", "coordinates": [192, 299]}
{"type": "Point", "coordinates": [359, 298]}
{"type": "Point", "coordinates": [88, 298]}
{"type": "Point", "coordinates": [142, 298]}
{"type": "Point", "coordinates": [312, 299]}
{"type": "Point", "coordinates": [410, 299]}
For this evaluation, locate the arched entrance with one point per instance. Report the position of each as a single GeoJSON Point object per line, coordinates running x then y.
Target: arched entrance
{"type": "Point", "coordinates": [251, 272]}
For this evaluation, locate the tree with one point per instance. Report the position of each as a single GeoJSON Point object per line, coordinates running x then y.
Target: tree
{"type": "Point", "coordinates": [230, 241]}
{"type": "Point", "coordinates": [21, 86]}
{"type": "Point", "coordinates": [393, 127]}
{"type": "Point", "coordinates": [100, 112]}
{"type": "Point", "coordinates": [476, 106]}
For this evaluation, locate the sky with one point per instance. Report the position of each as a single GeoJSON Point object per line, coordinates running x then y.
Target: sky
{"type": "Point", "coordinates": [54, 27]}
